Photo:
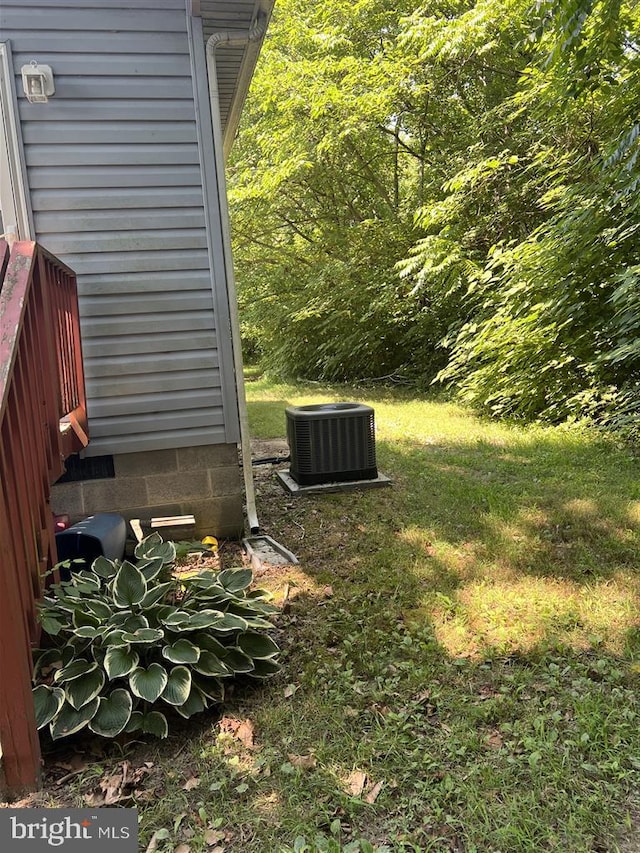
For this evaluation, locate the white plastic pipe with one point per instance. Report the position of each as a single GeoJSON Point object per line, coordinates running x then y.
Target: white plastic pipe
{"type": "Point", "coordinates": [233, 38]}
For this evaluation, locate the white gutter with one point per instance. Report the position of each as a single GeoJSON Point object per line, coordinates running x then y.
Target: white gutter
{"type": "Point", "coordinates": [233, 38]}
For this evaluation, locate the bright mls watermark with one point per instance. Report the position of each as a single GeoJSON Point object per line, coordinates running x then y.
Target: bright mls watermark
{"type": "Point", "coordinates": [69, 830]}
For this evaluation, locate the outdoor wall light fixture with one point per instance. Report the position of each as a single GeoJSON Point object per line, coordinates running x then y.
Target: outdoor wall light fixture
{"type": "Point", "coordinates": [37, 82]}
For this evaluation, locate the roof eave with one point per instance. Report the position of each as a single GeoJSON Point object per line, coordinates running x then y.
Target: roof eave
{"type": "Point", "coordinates": [216, 18]}
{"type": "Point", "coordinates": [249, 62]}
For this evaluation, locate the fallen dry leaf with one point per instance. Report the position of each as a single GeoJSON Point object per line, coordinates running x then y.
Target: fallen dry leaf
{"type": "Point", "coordinates": [75, 764]}
{"type": "Point", "coordinates": [182, 848]}
{"type": "Point", "coordinates": [495, 740]}
{"type": "Point", "coordinates": [112, 788]}
{"type": "Point", "coordinates": [327, 591]}
{"type": "Point", "coordinates": [213, 836]}
{"type": "Point", "coordinates": [422, 697]}
{"type": "Point", "coordinates": [372, 794]}
{"type": "Point", "coordinates": [218, 849]}
{"type": "Point", "coordinates": [289, 690]}
{"type": "Point", "coordinates": [138, 774]}
{"type": "Point", "coordinates": [242, 730]}
{"type": "Point", "coordinates": [245, 733]}
{"type": "Point", "coordinates": [305, 762]}
{"type": "Point", "coordinates": [355, 783]}
{"type": "Point", "coordinates": [190, 784]}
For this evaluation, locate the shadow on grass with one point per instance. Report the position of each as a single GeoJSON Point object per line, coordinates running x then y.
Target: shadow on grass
{"type": "Point", "coordinates": [471, 655]}
{"type": "Point", "coordinates": [503, 547]}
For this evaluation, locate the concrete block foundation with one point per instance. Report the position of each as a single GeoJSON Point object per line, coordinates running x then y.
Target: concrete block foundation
{"type": "Point", "coordinates": [205, 482]}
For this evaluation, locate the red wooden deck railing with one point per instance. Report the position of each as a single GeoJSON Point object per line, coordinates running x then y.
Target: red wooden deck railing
{"type": "Point", "coordinates": [42, 421]}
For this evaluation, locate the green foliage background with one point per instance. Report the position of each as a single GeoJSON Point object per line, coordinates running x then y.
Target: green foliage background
{"type": "Point", "coordinates": [447, 189]}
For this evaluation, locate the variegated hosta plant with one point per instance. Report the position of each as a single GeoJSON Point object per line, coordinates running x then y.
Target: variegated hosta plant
{"type": "Point", "coordinates": [131, 642]}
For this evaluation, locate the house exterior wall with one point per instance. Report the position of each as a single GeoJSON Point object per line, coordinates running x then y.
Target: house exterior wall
{"type": "Point", "coordinates": [115, 177]}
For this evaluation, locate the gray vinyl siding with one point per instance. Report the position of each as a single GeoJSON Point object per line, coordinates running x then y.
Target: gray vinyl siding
{"type": "Point", "coordinates": [115, 180]}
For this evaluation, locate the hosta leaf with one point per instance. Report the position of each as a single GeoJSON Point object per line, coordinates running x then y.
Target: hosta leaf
{"type": "Point", "coordinates": [256, 645]}
{"type": "Point", "coordinates": [68, 655]}
{"type": "Point", "coordinates": [237, 661]}
{"type": "Point", "coordinates": [84, 617]}
{"type": "Point", "coordinates": [51, 625]}
{"type": "Point", "coordinates": [104, 568]}
{"type": "Point", "coordinates": [81, 690]}
{"type": "Point", "coordinates": [135, 722]}
{"type": "Point", "coordinates": [257, 622]}
{"type": "Point", "coordinates": [129, 586]}
{"type": "Point", "coordinates": [260, 595]}
{"type": "Point", "coordinates": [148, 683]}
{"type": "Point", "coordinates": [118, 618]}
{"type": "Point", "coordinates": [157, 593]}
{"type": "Point", "coordinates": [67, 604]}
{"type": "Point", "coordinates": [156, 613]}
{"type": "Point", "coordinates": [155, 723]}
{"type": "Point", "coordinates": [210, 664]}
{"type": "Point", "coordinates": [47, 702]}
{"type": "Point", "coordinates": [230, 622]}
{"type": "Point", "coordinates": [86, 582]}
{"type": "Point", "coordinates": [195, 704]}
{"type": "Point", "coordinates": [115, 638]}
{"type": "Point", "coordinates": [98, 652]}
{"type": "Point", "coordinates": [151, 567]}
{"type": "Point", "coordinates": [264, 668]}
{"type": "Point", "coordinates": [203, 580]}
{"type": "Point", "coordinates": [75, 669]}
{"type": "Point", "coordinates": [177, 617]}
{"type": "Point", "coordinates": [249, 608]}
{"type": "Point", "coordinates": [235, 580]}
{"type": "Point", "coordinates": [113, 714]}
{"type": "Point", "coordinates": [68, 721]}
{"type": "Point", "coordinates": [77, 646]}
{"type": "Point", "coordinates": [89, 633]}
{"type": "Point", "coordinates": [144, 635]}
{"type": "Point", "coordinates": [99, 608]}
{"type": "Point", "coordinates": [70, 601]}
{"type": "Point", "coordinates": [167, 551]}
{"type": "Point", "coordinates": [132, 623]}
{"type": "Point", "coordinates": [154, 546]}
{"type": "Point", "coordinates": [216, 598]}
{"type": "Point", "coordinates": [211, 687]}
{"type": "Point", "coordinates": [178, 686]}
{"type": "Point", "coordinates": [203, 619]}
{"type": "Point", "coordinates": [182, 651]}
{"type": "Point", "coordinates": [146, 546]}
{"type": "Point", "coordinates": [45, 659]}
{"type": "Point", "coordinates": [120, 661]}
{"type": "Point", "coordinates": [206, 641]}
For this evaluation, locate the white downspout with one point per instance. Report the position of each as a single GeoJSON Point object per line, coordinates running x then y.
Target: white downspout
{"type": "Point", "coordinates": [233, 38]}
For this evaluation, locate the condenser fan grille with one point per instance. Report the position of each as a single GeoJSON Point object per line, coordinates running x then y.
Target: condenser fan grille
{"type": "Point", "coordinates": [331, 442]}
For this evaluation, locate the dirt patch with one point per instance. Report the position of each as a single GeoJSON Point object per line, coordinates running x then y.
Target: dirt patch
{"type": "Point", "coordinates": [269, 449]}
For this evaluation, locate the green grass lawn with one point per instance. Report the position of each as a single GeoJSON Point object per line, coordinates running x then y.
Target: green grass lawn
{"type": "Point", "coordinates": [461, 653]}
{"type": "Point", "coordinates": [479, 654]}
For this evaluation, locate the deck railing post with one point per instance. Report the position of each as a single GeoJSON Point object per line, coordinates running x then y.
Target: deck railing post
{"type": "Point", "coordinates": [21, 763]}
